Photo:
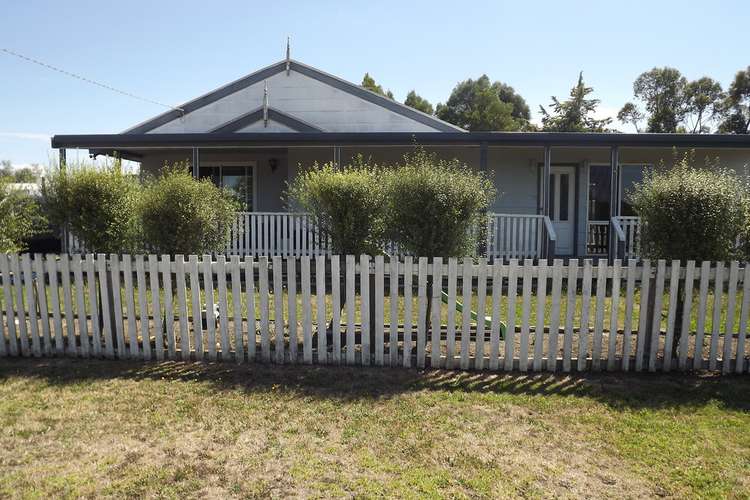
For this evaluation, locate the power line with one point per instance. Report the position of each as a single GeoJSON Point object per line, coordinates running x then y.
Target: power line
{"type": "Point", "coordinates": [87, 80]}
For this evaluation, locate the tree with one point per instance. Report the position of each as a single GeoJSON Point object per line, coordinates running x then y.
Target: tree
{"type": "Point", "coordinates": [478, 105]}
{"type": "Point", "coordinates": [183, 215]}
{"type": "Point", "coordinates": [368, 82]}
{"type": "Point", "coordinates": [97, 204]}
{"type": "Point", "coordinates": [631, 114]}
{"type": "Point", "coordinates": [662, 90]}
{"type": "Point", "coordinates": [736, 108]}
{"type": "Point", "coordinates": [20, 218]}
{"type": "Point", "coordinates": [574, 114]}
{"type": "Point", "coordinates": [25, 174]}
{"type": "Point", "coordinates": [346, 203]}
{"type": "Point", "coordinates": [416, 101]}
{"type": "Point", "coordinates": [703, 101]}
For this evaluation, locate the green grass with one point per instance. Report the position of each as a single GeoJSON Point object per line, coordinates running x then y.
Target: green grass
{"type": "Point", "coordinates": [74, 428]}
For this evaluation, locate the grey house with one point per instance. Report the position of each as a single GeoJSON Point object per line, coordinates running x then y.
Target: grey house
{"type": "Point", "coordinates": [256, 133]}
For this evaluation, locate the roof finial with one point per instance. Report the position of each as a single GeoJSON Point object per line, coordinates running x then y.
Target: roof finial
{"type": "Point", "coordinates": [265, 103]}
{"type": "Point", "coordinates": [288, 55]}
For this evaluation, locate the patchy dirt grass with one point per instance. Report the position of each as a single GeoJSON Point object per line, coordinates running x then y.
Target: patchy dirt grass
{"type": "Point", "coordinates": [75, 428]}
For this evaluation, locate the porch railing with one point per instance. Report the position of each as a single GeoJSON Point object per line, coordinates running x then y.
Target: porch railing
{"type": "Point", "coordinates": [509, 236]}
{"type": "Point", "coordinates": [597, 237]}
{"type": "Point", "coordinates": [628, 236]}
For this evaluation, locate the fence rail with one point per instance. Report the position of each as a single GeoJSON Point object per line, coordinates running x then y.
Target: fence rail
{"type": "Point", "coordinates": [345, 310]}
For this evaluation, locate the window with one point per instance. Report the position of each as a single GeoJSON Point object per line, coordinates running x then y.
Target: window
{"type": "Point", "coordinates": [629, 176]}
{"type": "Point", "coordinates": [599, 178]}
{"type": "Point", "coordinates": [236, 179]}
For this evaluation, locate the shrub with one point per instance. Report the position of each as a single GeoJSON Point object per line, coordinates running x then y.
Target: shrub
{"type": "Point", "coordinates": [690, 213]}
{"type": "Point", "coordinates": [182, 215]}
{"type": "Point", "coordinates": [97, 204]}
{"type": "Point", "coordinates": [20, 218]}
{"type": "Point", "coordinates": [346, 203]}
{"type": "Point", "coordinates": [436, 208]}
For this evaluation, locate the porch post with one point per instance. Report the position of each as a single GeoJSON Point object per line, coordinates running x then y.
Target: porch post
{"type": "Point", "coordinates": [614, 199]}
{"type": "Point", "coordinates": [64, 233]}
{"type": "Point", "coordinates": [483, 157]}
{"type": "Point", "coordinates": [196, 162]}
{"type": "Point", "coordinates": [337, 156]}
{"type": "Point", "coordinates": [545, 180]}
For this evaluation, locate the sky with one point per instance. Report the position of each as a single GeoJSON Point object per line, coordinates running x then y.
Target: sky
{"type": "Point", "coordinates": [172, 51]}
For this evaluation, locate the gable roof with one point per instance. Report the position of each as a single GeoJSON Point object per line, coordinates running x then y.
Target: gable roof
{"type": "Point", "coordinates": [309, 71]}
{"type": "Point", "coordinates": [256, 115]}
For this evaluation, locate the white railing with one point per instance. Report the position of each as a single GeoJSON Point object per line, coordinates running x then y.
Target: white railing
{"type": "Point", "coordinates": [276, 233]}
{"type": "Point", "coordinates": [260, 310]}
{"type": "Point", "coordinates": [597, 237]}
{"type": "Point", "coordinates": [630, 244]}
{"type": "Point", "coordinates": [518, 236]}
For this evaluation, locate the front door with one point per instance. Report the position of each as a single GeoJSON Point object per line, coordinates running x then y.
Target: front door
{"type": "Point", "coordinates": [562, 207]}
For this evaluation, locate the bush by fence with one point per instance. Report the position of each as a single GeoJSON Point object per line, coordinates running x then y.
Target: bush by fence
{"type": "Point", "coordinates": [575, 316]}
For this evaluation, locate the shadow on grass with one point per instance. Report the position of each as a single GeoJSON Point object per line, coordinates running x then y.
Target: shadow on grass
{"type": "Point", "coordinates": [624, 390]}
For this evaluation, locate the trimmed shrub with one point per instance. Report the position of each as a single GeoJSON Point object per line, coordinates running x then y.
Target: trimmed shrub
{"type": "Point", "coordinates": [182, 215]}
{"type": "Point", "coordinates": [21, 218]}
{"type": "Point", "coordinates": [346, 203]}
{"type": "Point", "coordinates": [690, 213]}
{"type": "Point", "coordinates": [435, 207]}
{"type": "Point", "coordinates": [97, 204]}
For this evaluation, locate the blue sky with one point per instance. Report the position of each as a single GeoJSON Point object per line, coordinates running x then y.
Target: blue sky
{"type": "Point", "coordinates": [172, 51]}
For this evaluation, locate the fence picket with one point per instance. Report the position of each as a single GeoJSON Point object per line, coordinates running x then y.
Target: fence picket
{"type": "Point", "coordinates": [510, 331]}
{"type": "Point", "coordinates": [166, 276]}
{"type": "Point", "coordinates": [661, 269]}
{"type": "Point", "coordinates": [252, 337]}
{"type": "Point", "coordinates": [614, 314]}
{"type": "Point", "coordinates": [481, 313]}
{"type": "Point", "coordinates": [408, 320]}
{"type": "Point", "coordinates": [601, 292]}
{"type": "Point", "coordinates": [726, 357]}
{"type": "Point", "coordinates": [713, 352]}
{"type": "Point", "coordinates": [320, 310]}
{"type": "Point", "coordinates": [182, 307]}
{"type": "Point", "coordinates": [143, 306]}
{"type": "Point", "coordinates": [153, 274]}
{"type": "Point", "coordinates": [221, 285]}
{"type": "Point", "coordinates": [10, 309]}
{"type": "Point", "coordinates": [742, 332]}
{"type": "Point", "coordinates": [541, 303]}
{"type": "Point", "coordinates": [263, 299]}
{"type": "Point", "coordinates": [685, 320]}
{"type": "Point", "coordinates": [54, 296]}
{"type": "Point", "coordinates": [41, 291]}
{"type": "Point", "coordinates": [127, 270]}
{"type": "Point", "coordinates": [498, 272]}
{"type": "Point", "coordinates": [28, 280]}
{"type": "Point", "coordinates": [701, 323]}
{"type": "Point", "coordinates": [278, 309]}
{"type": "Point", "coordinates": [196, 309]}
{"type": "Point", "coordinates": [450, 351]}
{"type": "Point", "coordinates": [350, 310]}
{"type": "Point", "coordinates": [674, 285]}
{"type": "Point", "coordinates": [107, 282]}
{"type": "Point", "coordinates": [96, 327]}
{"type": "Point", "coordinates": [335, 308]}
{"type": "Point", "coordinates": [554, 323]}
{"type": "Point", "coordinates": [18, 280]}
{"type": "Point", "coordinates": [570, 308]}
{"type": "Point", "coordinates": [393, 330]}
{"type": "Point", "coordinates": [67, 265]}
{"type": "Point", "coordinates": [643, 325]}
{"type": "Point", "coordinates": [364, 285]}
{"type": "Point", "coordinates": [436, 321]}
{"type": "Point", "coordinates": [583, 330]}
{"type": "Point", "coordinates": [239, 344]}
{"type": "Point", "coordinates": [379, 310]}
{"type": "Point", "coordinates": [523, 356]}
{"type": "Point", "coordinates": [627, 326]}
{"type": "Point", "coordinates": [421, 311]}
{"type": "Point", "coordinates": [465, 315]}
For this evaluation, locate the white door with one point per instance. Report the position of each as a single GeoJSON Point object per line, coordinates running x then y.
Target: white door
{"type": "Point", "coordinates": [562, 207]}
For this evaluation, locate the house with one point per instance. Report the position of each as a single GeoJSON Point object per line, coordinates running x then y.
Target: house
{"type": "Point", "coordinates": [562, 193]}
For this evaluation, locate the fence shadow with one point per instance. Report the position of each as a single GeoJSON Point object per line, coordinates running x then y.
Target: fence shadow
{"type": "Point", "coordinates": [621, 390]}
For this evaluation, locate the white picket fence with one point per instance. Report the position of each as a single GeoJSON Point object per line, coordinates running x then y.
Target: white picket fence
{"type": "Point", "coordinates": [577, 316]}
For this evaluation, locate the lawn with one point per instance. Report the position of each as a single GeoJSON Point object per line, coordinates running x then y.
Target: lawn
{"type": "Point", "coordinates": [80, 428]}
